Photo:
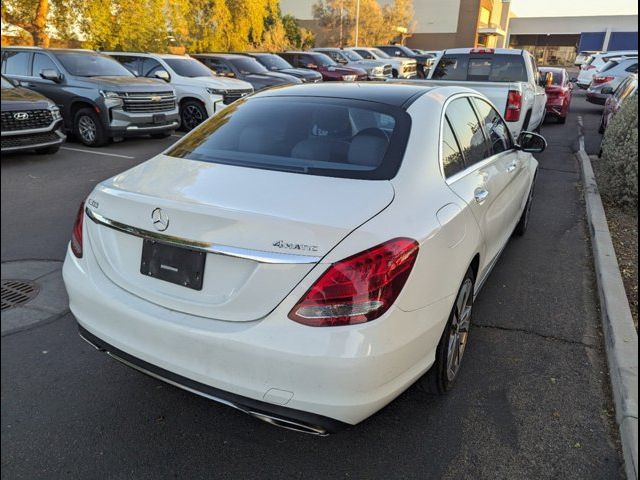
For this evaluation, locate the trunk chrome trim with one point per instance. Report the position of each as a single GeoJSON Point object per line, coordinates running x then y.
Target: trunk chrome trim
{"type": "Point", "coordinates": [259, 256]}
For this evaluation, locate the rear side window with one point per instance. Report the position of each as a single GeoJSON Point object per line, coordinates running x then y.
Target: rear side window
{"type": "Point", "coordinates": [632, 68]}
{"type": "Point", "coordinates": [497, 131]}
{"type": "Point", "coordinates": [452, 161]}
{"type": "Point", "coordinates": [17, 63]}
{"type": "Point", "coordinates": [484, 68]}
{"type": "Point", "coordinates": [42, 62]}
{"type": "Point", "coordinates": [130, 63]}
{"type": "Point", "coordinates": [467, 129]}
{"type": "Point", "coordinates": [313, 136]}
{"type": "Point", "coordinates": [609, 66]}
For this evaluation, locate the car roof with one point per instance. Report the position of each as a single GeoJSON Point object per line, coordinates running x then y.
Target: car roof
{"type": "Point", "coordinates": [65, 50]}
{"type": "Point", "coordinates": [228, 56]}
{"type": "Point", "coordinates": [553, 69]}
{"type": "Point", "coordinates": [496, 51]}
{"type": "Point", "coordinates": [396, 94]}
{"type": "Point", "coordinates": [147, 54]}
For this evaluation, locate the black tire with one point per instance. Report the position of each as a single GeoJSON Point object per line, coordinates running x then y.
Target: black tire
{"type": "Point", "coordinates": [527, 119]}
{"type": "Point", "coordinates": [394, 73]}
{"type": "Point", "coordinates": [442, 375]}
{"type": "Point", "coordinates": [192, 114]}
{"type": "Point", "coordinates": [162, 134]}
{"type": "Point", "coordinates": [523, 223]}
{"type": "Point", "coordinates": [601, 128]}
{"type": "Point", "coordinates": [562, 120]}
{"type": "Point", "coordinates": [48, 150]}
{"type": "Point", "coordinates": [88, 128]}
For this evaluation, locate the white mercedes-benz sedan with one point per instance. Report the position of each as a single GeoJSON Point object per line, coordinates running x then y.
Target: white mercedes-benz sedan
{"type": "Point", "coordinates": [308, 253]}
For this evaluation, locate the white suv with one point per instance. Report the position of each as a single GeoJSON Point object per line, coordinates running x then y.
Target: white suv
{"type": "Point", "coordinates": [200, 93]}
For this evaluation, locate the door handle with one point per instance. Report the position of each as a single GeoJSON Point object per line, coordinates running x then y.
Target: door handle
{"type": "Point", "coordinates": [481, 194]}
{"type": "Point", "coordinates": [512, 166]}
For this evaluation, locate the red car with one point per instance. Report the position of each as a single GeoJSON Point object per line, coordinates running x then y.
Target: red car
{"type": "Point", "coordinates": [329, 68]}
{"type": "Point", "coordinates": [559, 91]}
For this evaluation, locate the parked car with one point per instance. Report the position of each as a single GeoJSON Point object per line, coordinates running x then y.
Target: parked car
{"type": "Point", "coordinates": [508, 77]}
{"type": "Point", "coordinates": [245, 68]}
{"type": "Point", "coordinates": [424, 62]}
{"type": "Point", "coordinates": [275, 63]}
{"type": "Point", "coordinates": [199, 92]}
{"type": "Point", "coordinates": [559, 91]}
{"type": "Point", "coordinates": [376, 69]}
{"type": "Point", "coordinates": [330, 70]}
{"type": "Point", "coordinates": [400, 67]}
{"type": "Point", "coordinates": [627, 89]}
{"type": "Point", "coordinates": [403, 198]}
{"type": "Point", "coordinates": [607, 80]}
{"type": "Point", "coordinates": [584, 56]}
{"type": "Point", "coordinates": [99, 98]}
{"type": "Point", "coordinates": [30, 121]}
{"type": "Point", "coordinates": [595, 63]}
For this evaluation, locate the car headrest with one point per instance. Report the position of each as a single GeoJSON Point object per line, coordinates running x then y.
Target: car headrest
{"type": "Point", "coordinates": [368, 147]}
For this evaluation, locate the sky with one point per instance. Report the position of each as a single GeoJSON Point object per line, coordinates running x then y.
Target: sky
{"type": "Point", "coordinates": [570, 8]}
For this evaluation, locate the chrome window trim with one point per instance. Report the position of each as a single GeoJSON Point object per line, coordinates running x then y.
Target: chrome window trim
{"type": "Point", "coordinates": [259, 256]}
{"type": "Point", "coordinates": [476, 166]}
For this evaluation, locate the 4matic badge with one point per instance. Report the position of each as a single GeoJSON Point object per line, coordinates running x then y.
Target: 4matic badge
{"type": "Point", "coordinates": [295, 246]}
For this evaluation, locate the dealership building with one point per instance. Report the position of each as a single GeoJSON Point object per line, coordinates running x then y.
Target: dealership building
{"type": "Point", "coordinates": [556, 40]}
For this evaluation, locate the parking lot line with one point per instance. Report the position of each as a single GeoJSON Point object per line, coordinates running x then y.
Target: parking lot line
{"type": "Point", "coordinates": [97, 152]}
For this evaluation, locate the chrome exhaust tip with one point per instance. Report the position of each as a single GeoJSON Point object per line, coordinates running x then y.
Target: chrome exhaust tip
{"type": "Point", "coordinates": [289, 424]}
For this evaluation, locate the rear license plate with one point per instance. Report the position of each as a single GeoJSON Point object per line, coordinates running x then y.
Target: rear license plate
{"type": "Point", "coordinates": [173, 264]}
{"type": "Point", "coordinates": [159, 118]}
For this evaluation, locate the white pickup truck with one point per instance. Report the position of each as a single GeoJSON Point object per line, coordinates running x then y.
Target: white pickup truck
{"type": "Point", "coordinates": [509, 78]}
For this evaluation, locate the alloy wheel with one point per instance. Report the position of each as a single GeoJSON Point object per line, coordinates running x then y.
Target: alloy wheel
{"type": "Point", "coordinates": [192, 116]}
{"type": "Point", "coordinates": [459, 331]}
{"type": "Point", "coordinates": [87, 129]}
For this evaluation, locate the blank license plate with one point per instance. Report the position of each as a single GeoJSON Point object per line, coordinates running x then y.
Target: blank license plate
{"type": "Point", "coordinates": [173, 264]}
{"type": "Point", "coordinates": [159, 118]}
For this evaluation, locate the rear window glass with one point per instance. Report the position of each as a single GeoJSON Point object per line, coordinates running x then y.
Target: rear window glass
{"type": "Point", "coordinates": [558, 78]}
{"type": "Point", "coordinates": [314, 136]}
{"type": "Point", "coordinates": [486, 68]}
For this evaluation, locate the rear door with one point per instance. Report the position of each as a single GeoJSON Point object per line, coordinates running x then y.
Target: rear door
{"type": "Point", "coordinates": [484, 182]}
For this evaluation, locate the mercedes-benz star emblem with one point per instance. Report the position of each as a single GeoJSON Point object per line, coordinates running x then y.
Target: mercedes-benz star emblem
{"type": "Point", "coordinates": [160, 219]}
{"type": "Point", "coordinates": [21, 115]}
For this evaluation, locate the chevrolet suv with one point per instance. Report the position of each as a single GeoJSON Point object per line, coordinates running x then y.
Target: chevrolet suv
{"type": "Point", "coordinates": [99, 99]}
{"type": "Point", "coordinates": [29, 121]}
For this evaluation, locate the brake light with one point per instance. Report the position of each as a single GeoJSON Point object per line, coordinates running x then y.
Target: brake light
{"type": "Point", "coordinates": [601, 80]}
{"type": "Point", "coordinates": [483, 50]}
{"type": "Point", "coordinates": [514, 106]}
{"type": "Point", "coordinates": [76, 233]}
{"type": "Point", "coordinates": [360, 288]}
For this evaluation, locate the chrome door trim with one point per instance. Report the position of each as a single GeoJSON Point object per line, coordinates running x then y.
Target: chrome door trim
{"type": "Point", "coordinates": [259, 256]}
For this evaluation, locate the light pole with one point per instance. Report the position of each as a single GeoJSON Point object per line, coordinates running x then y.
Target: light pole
{"type": "Point", "coordinates": [357, 20]}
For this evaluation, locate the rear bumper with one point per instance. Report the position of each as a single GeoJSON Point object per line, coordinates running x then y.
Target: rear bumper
{"type": "Point", "coordinates": [322, 377]}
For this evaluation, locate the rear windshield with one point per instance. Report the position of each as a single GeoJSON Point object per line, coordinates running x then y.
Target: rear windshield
{"type": "Point", "coordinates": [88, 64]}
{"type": "Point", "coordinates": [313, 136]}
{"type": "Point", "coordinates": [557, 76]}
{"type": "Point", "coordinates": [483, 68]}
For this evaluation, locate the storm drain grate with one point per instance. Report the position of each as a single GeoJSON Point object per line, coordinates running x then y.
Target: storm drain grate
{"type": "Point", "coordinates": [17, 292]}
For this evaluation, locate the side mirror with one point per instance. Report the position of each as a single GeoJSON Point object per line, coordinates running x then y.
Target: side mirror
{"type": "Point", "coordinates": [51, 74]}
{"type": "Point", "coordinates": [162, 75]}
{"type": "Point", "coordinates": [607, 91]}
{"type": "Point", "coordinates": [531, 142]}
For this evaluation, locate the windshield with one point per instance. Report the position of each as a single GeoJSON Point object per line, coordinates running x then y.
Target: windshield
{"type": "Point", "coordinates": [313, 136]}
{"type": "Point", "coordinates": [351, 55]}
{"type": "Point", "coordinates": [380, 53]}
{"type": "Point", "coordinates": [488, 68]}
{"type": "Point", "coordinates": [273, 62]}
{"type": "Point", "coordinates": [6, 83]}
{"type": "Point", "coordinates": [246, 65]}
{"type": "Point", "coordinates": [188, 67]}
{"type": "Point", "coordinates": [87, 64]}
{"type": "Point", "coordinates": [323, 60]}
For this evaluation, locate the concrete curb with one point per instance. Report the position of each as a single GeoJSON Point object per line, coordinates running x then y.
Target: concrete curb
{"type": "Point", "coordinates": [621, 337]}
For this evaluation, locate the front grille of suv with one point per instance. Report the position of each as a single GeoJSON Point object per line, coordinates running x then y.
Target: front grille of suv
{"type": "Point", "coordinates": [28, 140]}
{"type": "Point", "coordinates": [388, 70]}
{"type": "Point", "coordinates": [148, 102]}
{"type": "Point", "coordinates": [35, 119]}
{"type": "Point", "coordinates": [232, 95]}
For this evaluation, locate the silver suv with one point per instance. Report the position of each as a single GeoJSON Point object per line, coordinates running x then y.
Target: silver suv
{"type": "Point", "coordinates": [376, 69]}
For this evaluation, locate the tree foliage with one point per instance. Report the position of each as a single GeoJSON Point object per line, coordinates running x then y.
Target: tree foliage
{"type": "Point", "coordinates": [377, 25]}
{"type": "Point", "coordinates": [619, 165]}
{"type": "Point", "coordinates": [155, 25]}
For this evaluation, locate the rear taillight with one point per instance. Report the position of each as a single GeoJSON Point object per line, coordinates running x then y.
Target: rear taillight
{"type": "Point", "coordinates": [76, 233]}
{"type": "Point", "coordinates": [490, 51]}
{"type": "Point", "coordinates": [601, 80]}
{"type": "Point", "coordinates": [359, 288]}
{"type": "Point", "coordinates": [514, 106]}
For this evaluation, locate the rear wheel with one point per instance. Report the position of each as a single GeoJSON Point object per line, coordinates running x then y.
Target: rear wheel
{"type": "Point", "coordinates": [523, 224]}
{"type": "Point", "coordinates": [453, 343]}
{"type": "Point", "coordinates": [562, 120]}
{"type": "Point", "coordinates": [88, 128]}
{"type": "Point", "coordinates": [192, 114]}
{"type": "Point", "coordinates": [394, 72]}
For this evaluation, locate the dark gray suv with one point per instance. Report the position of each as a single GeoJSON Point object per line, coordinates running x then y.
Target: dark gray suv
{"type": "Point", "coordinates": [98, 97]}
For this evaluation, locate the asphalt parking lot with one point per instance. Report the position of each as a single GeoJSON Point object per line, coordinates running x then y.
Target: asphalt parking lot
{"type": "Point", "coordinates": [532, 400]}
